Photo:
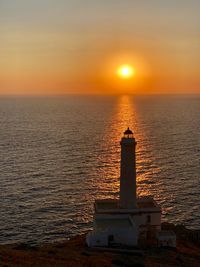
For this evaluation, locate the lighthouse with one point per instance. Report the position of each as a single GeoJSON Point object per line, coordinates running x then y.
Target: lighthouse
{"type": "Point", "coordinates": [126, 220]}
{"type": "Point", "coordinates": [128, 171]}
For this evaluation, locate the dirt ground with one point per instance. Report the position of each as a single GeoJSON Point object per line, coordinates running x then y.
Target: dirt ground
{"type": "Point", "coordinates": [74, 253]}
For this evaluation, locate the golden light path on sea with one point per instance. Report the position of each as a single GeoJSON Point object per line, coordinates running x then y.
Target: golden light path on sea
{"type": "Point", "coordinates": [124, 115]}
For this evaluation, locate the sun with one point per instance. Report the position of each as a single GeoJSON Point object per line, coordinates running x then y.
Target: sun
{"type": "Point", "coordinates": [126, 71]}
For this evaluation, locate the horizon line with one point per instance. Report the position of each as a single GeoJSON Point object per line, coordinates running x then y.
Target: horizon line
{"type": "Point", "coordinates": [96, 94]}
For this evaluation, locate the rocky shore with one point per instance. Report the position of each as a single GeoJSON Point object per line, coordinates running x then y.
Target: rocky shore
{"type": "Point", "coordinates": [74, 253]}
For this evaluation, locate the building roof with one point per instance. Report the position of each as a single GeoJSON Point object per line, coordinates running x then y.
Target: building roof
{"type": "Point", "coordinates": [144, 204]}
{"type": "Point", "coordinates": [128, 131]}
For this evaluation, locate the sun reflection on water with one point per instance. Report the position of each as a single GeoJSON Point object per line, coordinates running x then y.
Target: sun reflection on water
{"type": "Point", "coordinates": [126, 115]}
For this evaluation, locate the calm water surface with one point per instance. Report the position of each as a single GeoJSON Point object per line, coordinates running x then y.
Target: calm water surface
{"type": "Point", "coordinates": [58, 154]}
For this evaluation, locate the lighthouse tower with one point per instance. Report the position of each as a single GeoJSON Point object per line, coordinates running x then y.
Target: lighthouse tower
{"type": "Point", "coordinates": [128, 171]}
{"type": "Point", "coordinates": [125, 220]}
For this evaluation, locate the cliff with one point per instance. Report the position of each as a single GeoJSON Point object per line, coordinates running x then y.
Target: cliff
{"type": "Point", "coordinates": [75, 253]}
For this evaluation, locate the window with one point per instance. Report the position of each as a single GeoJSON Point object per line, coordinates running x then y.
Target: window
{"type": "Point", "coordinates": [110, 238]}
{"type": "Point", "coordinates": [148, 218]}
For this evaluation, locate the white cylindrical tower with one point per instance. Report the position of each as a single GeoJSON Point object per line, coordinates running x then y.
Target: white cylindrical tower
{"type": "Point", "coordinates": [128, 171]}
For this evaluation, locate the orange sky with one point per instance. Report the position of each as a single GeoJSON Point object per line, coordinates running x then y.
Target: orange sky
{"type": "Point", "coordinates": [70, 47]}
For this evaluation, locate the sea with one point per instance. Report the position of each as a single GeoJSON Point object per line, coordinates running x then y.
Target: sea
{"type": "Point", "coordinates": [60, 153]}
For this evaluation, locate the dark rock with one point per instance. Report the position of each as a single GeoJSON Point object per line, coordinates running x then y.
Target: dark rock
{"type": "Point", "coordinates": [24, 246]}
{"type": "Point", "coordinates": [51, 252]}
{"type": "Point", "coordinates": [178, 258]}
{"type": "Point", "coordinates": [85, 253]}
{"type": "Point", "coordinates": [118, 262]}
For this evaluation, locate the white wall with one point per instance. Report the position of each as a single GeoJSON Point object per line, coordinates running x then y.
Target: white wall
{"type": "Point", "coordinates": [142, 219]}
{"type": "Point", "coordinates": [97, 239]}
{"type": "Point", "coordinates": [122, 236]}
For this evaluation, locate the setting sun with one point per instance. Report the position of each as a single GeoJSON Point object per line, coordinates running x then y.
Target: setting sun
{"type": "Point", "coordinates": [126, 71]}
